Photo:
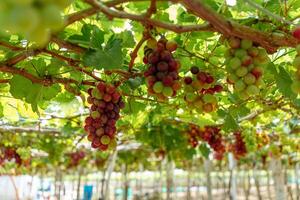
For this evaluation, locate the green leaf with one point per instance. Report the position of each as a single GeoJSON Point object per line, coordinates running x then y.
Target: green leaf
{"type": "Point", "coordinates": [230, 124]}
{"type": "Point", "coordinates": [127, 39]}
{"type": "Point", "coordinates": [284, 82]}
{"type": "Point", "coordinates": [205, 151]}
{"type": "Point", "coordinates": [110, 57]}
{"type": "Point", "coordinates": [133, 107]}
{"type": "Point", "coordinates": [24, 89]}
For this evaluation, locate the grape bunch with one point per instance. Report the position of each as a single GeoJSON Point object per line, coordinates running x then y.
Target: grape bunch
{"type": "Point", "coordinates": [10, 154]}
{"type": "Point", "coordinates": [244, 65]}
{"type": "Point", "coordinates": [101, 123]}
{"type": "Point", "coordinates": [200, 88]}
{"type": "Point", "coordinates": [162, 77]}
{"type": "Point", "coordinates": [296, 80]}
{"type": "Point", "coordinates": [238, 148]}
{"type": "Point", "coordinates": [34, 19]}
{"type": "Point", "coordinates": [209, 134]}
{"type": "Point", "coordinates": [76, 157]}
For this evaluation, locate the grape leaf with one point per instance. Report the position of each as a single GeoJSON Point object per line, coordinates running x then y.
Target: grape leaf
{"type": "Point", "coordinates": [230, 124]}
{"type": "Point", "coordinates": [24, 89]}
{"type": "Point", "coordinates": [110, 57]}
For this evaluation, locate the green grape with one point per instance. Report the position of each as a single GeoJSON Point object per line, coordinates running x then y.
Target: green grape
{"type": "Point", "coordinates": [239, 85]}
{"type": "Point", "coordinates": [105, 139]}
{"type": "Point", "coordinates": [63, 3]}
{"type": "Point", "coordinates": [23, 19]}
{"type": "Point", "coordinates": [234, 63]}
{"type": "Point", "coordinates": [96, 94]}
{"type": "Point", "coordinates": [233, 78]}
{"type": "Point", "coordinates": [158, 87]}
{"type": "Point", "coordinates": [40, 36]}
{"type": "Point", "coordinates": [296, 62]}
{"type": "Point", "coordinates": [167, 91]}
{"type": "Point", "coordinates": [20, 2]}
{"type": "Point", "coordinates": [298, 49]}
{"type": "Point", "coordinates": [190, 97]}
{"type": "Point", "coordinates": [209, 98]}
{"type": "Point", "coordinates": [95, 114]}
{"type": "Point", "coordinates": [51, 17]}
{"type": "Point", "coordinates": [241, 71]}
{"type": "Point", "coordinates": [243, 95]}
{"type": "Point", "coordinates": [240, 53]}
{"type": "Point", "coordinates": [252, 90]}
{"type": "Point", "coordinates": [249, 79]}
{"type": "Point", "coordinates": [246, 44]}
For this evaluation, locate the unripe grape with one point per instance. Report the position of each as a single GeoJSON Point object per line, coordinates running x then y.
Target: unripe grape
{"type": "Point", "coordinates": [249, 79]}
{"type": "Point", "coordinates": [20, 2]}
{"type": "Point", "coordinates": [40, 36]}
{"type": "Point", "coordinates": [190, 97]}
{"type": "Point", "coordinates": [240, 53]}
{"type": "Point", "coordinates": [296, 62]}
{"type": "Point", "coordinates": [63, 3]}
{"type": "Point", "coordinates": [95, 114]}
{"type": "Point", "coordinates": [151, 43]}
{"type": "Point", "coordinates": [51, 16]}
{"type": "Point", "coordinates": [171, 46]}
{"type": "Point", "coordinates": [241, 71]}
{"type": "Point", "coordinates": [23, 19]}
{"type": "Point", "coordinates": [234, 42]}
{"type": "Point", "coordinates": [234, 63]}
{"type": "Point", "coordinates": [167, 91]}
{"type": "Point", "coordinates": [105, 139]}
{"type": "Point", "coordinates": [239, 85]}
{"type": "Point", "coordinates": [246, 44]}
{"type": "Point", "coordinates": [252, 90]}
{"type": "Point", "coordinates": [158, 87]}
{"type": "Point", "coordinates": [209, 98]}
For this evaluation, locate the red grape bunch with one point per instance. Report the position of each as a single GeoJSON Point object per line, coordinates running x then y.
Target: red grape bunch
{"type": "Point", "coordinates": [162, 77]}
{"type": "Point", "coordinates": [244, 65]}
{"type": "Point", "coordinates": [101, 123]}
{"type": "Point", "coordinates": [200, 89]}
{"type": "Point", "coordinates": [296, 80]}
{"type": "Point", "coordinates": [76, 157]}
{"type": "Point", "coordinates": [238, 148]}
{"type": "Point", "coordinates": [10, 154]}
{"type": "Point", "coordinates": [209, 134]}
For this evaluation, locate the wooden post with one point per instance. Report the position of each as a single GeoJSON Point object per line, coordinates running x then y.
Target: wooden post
{"type": "Point", "coordinates": [170, 173]}
{"type": "Point", "coordinates": [297, 181]}
{"type": "Point", "coordinates": [80, 171]}
{"type": "Point", "coordinates": [110, 168]}
{"type": "Point", "coordinates": [15, 187]}
{"type": "Point", "coordinates": [232, 179]}
{"type": "Point", "coordinates": [278, 177]}
{"type": "Point", "coordinates": [256, 182]}
{"type": "Point", "coordinates": [207, 167]}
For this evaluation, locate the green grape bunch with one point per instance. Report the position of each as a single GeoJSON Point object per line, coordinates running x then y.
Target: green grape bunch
{"type": "Point", "coordinates": [33, 19]}
{"type": "Point", "coordinates": [244, 66]}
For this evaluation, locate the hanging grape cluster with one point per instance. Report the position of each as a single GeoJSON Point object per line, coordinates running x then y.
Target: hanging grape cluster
{"type": "Point", "coordinates": [34, 19]}
{"type": "Point", "coordinates": [101, 124]}
{"type": "Point", "coordinates": [244, 65]}
{"type": "Point", "coordinates": [76, 157]}
{"type": "Point", "coordinates": [162, 77]}
{"type": "Point", "coordinates": [10, 154]}
{"type": "Point", "coordinates": [200, 88]}
{"type": "Point", "coordinates": [296, 80]}
{"type": "Point", "coordinates": [238, 148]}
{"type": "Point", "coordinates": [209, 134]}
